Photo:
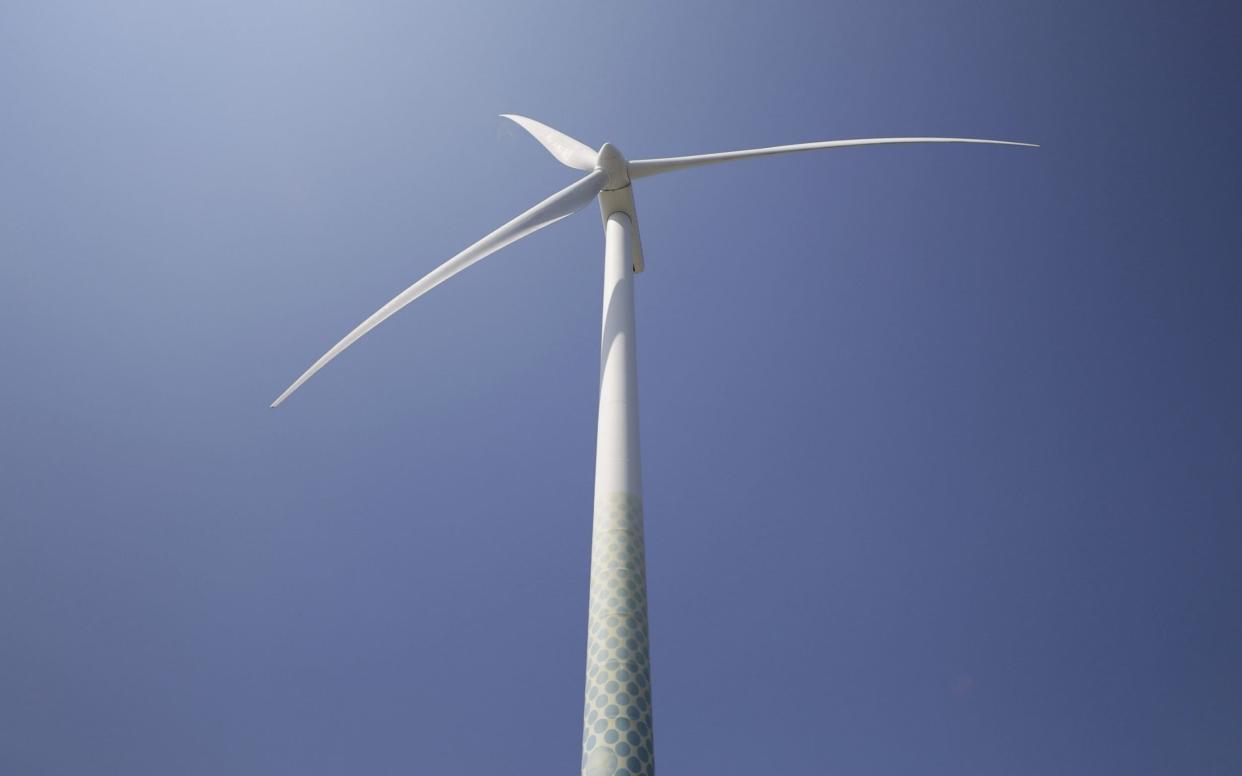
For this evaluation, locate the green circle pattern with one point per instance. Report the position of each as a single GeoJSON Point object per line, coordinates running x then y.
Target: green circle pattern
{"type": "Point", "coordinates": [617, 736]}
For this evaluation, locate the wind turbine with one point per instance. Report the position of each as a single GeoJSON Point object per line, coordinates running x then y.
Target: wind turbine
{"type": "Point", "coordinates": [617, 736]}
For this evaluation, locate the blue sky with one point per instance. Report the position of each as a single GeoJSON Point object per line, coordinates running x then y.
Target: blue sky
{"type": "Point", "coordinates": [941, 444]}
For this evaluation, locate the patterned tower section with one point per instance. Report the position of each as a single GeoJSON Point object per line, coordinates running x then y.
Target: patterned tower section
{"type": "Point", "coordinates": [617, 730]}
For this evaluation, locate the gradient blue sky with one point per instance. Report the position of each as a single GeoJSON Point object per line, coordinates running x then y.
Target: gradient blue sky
{"type": "Point", "coordinates": [943, 447]}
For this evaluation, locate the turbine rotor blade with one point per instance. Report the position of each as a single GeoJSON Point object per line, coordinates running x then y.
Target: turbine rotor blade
{"type": "Point", "coordinates": [565, 202]}
{"type": "Point", "coordinates": [641, 168]}
{"type": "Point", "coordinates": [567, 151]}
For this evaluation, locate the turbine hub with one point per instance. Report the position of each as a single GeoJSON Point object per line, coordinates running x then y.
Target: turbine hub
{"type": "Point", "coordinates": [612, 161]}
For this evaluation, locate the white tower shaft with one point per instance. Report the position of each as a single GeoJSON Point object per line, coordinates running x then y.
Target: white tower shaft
{"type": "Point", "coordinates": [617, 735]}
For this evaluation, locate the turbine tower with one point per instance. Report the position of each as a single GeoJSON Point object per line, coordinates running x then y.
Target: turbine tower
{"type": "Point", "coordinates": [618, 735]}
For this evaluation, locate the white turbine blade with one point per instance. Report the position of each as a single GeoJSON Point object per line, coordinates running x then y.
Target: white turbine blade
{"type": "Point", "coordinates": [641, 168]}
{"type": "Point", "coordinates": [565, 202]}
{"type": "Point", "coordinates": [567, 151]}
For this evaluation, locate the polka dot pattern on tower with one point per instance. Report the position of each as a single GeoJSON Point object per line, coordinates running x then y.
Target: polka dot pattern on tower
{"type": "Point", "coordinates": [617, 737]}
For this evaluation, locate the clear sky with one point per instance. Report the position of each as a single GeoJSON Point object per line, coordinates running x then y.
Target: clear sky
{"type": "Point", "coordinates": [942, 445]}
